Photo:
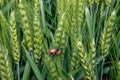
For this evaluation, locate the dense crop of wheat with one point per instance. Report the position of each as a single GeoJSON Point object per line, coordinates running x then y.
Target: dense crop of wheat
{"type": "Point", "coordinates": [59, 40]}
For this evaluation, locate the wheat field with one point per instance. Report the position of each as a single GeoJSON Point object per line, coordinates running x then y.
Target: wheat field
{"type": "Point", "coordinates": [59, 39]}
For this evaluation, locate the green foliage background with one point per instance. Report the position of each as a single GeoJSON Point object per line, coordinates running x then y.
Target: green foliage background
{"type": "Point", "coordinates": [86, 31]}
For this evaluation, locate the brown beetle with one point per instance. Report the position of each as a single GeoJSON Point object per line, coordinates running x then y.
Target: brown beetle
{"type": "Point", "coordinates": [55, 51]}
{"type": "Point", "coordinates": [58, 52]}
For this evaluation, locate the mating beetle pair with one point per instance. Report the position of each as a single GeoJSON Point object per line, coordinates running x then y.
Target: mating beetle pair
{"type": "Point", "coordinates": [55, 51]}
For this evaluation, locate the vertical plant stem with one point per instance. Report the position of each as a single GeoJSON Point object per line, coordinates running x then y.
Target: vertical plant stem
{"type": "Point", "coordinates": [18, 71]}
{"type": "Point", "coordinates": [26, 73]}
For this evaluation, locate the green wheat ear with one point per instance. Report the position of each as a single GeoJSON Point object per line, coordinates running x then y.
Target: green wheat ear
{"type": "Point", "coordinates": [14, 39]}
{"type": "Point", "coordinates": [62, 29]}
{"type": "Point", "coordinates": [77, 18]}
{"type": "Point", "coordinates": [108, 3]}
{"type": "Point", "coordinates": [92, 56]}
{"type": "Point", "coordinates": [5, 65]}
{"type": "Point", "coordinates": [90, 2]}
{"type": "Point", "coordinates": [64, 39]}
{"type": "Point", "coordinates": [1, 2]}
{"type": "Point", "coordinates": [26, 28]}
{"type": "Point", "coordinates": [59, 31]}
{"type": "Point", "coordinates": [80, 12]}
{"type": "Point", "coordinates": [50, 63]}
{"type": "Point", "coordinates": [106, 36]}
{"type": "Point", "coordinates": [93, 50]}
{"type": "Point", "coordinates": [38, 34]}
{"type": "Point", "coordinates": [60, 37]}
{"type": "Point", "coordinates": [38, 40]}
{"type": "Point", "coordinates": [84, 60]}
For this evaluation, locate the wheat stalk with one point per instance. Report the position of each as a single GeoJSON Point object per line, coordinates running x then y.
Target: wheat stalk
{"type": "Point", "coordinates": [75, 29]}
{"type": "Point", "coordinates": [64, 39]}
{"type": "Point", "coordinates": [50, 63]}
{"type": "Point", "coordinates": [80, 13]}
{"type": "Point", "coordinates": [59, 41]}
{"type": "Point", "coordinates": [84, 60]}
{"type": "Point", "coordinates": [5, 65]}
{"type": "Point", "coordinates": [74, 33]}
{"type": "Point", "coordinates": [38, 35]}
{"type": "Point", "coordinates": [59, 31]}
{"type": "Point", "coordinates": [92, 54]}
{"type": "Point", "coordinates": [106, 36]}
{"type": "Point", "coordinates": [38, 39]}
{"type": "Point", "coordinates": [15, 45]}
{"type": "Point", "coordinates": [26, 28]}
